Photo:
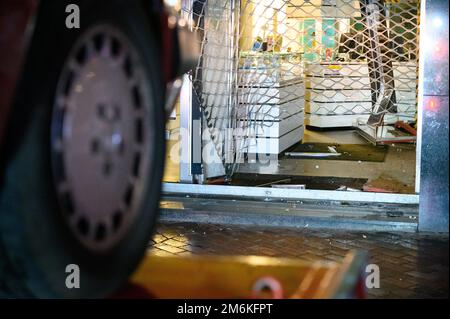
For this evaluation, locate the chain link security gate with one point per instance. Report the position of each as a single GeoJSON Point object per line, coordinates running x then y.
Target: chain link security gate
{"type": "Point", "coordinates": [270, 67]}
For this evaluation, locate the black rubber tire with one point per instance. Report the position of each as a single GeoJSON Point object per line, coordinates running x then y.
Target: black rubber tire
{"type": "Point", "coordinates": [35, 243]}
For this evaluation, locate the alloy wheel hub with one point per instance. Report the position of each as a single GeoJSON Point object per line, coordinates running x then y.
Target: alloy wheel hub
{"type": "Point", "coordinates": [100, 152]}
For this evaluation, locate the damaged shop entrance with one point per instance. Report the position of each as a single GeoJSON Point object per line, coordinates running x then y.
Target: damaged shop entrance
{"type": "Point", "coordinates": [306, 95]}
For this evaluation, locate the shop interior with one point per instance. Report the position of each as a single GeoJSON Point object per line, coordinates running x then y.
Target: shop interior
{"type": "Point", "coordinates": [319, 94]}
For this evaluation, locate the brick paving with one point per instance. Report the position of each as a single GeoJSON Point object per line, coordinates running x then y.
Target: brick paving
{"type": "Point", "coordinates": [411, 265]}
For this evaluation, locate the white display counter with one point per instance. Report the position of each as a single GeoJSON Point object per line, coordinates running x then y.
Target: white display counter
{"type": "Point", "coordinates": [338, 94]}
{"type": "Point", "coordinates": [270, 108]}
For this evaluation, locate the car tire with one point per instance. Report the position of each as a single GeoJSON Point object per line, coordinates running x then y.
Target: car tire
{"type": "Point", "coordinates": [40, 244]}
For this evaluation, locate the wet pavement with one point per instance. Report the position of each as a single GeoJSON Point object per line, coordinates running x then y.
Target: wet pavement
{"type": "Point", "coordinates": [411, 265]}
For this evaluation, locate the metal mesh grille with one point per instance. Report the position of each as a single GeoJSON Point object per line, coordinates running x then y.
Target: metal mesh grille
{"type": "Point", "coordinates": [269, 67]}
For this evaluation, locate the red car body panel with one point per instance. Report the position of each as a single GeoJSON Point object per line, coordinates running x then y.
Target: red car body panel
{"type": "Point", "coordinates": [15, 18]}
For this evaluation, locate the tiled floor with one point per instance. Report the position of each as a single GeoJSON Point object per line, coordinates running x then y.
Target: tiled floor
{"type": "Point", "coordinates": [399, 163]}
{"type": "Point", "coordinates": [411, 265]}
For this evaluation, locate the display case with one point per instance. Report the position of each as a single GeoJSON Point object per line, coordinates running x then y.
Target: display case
{"type": "Point", "coordinates": [339, 94]}
{"type": "Point", "coordinates": [271, 95]}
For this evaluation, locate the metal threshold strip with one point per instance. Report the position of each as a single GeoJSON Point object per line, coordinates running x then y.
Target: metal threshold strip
{"type": "Point", "coordinates": [287, 194]}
